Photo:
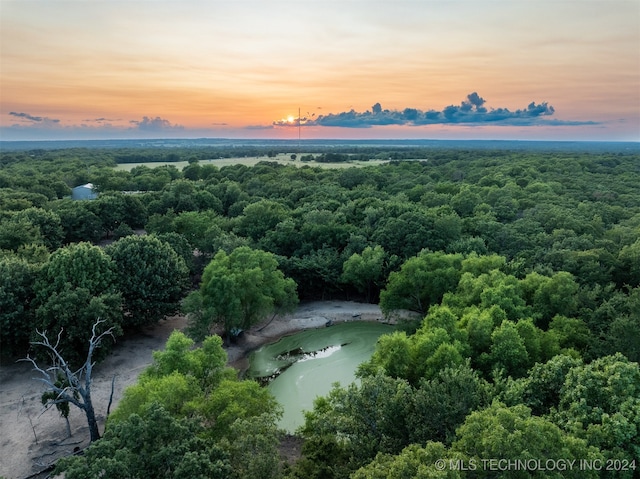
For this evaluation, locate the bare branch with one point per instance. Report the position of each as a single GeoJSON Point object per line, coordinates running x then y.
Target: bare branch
{"type": "Point", "coordinates": [58, 339]}
{"type": "Point", "coordinates": [63, 394]}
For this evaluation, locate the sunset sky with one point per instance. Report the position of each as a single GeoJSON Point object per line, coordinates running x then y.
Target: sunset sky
{"type": "Point", "coordinates": [454, 69]}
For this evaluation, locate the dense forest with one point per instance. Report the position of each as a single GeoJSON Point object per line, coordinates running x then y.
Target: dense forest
{"type": "Point", "coordinates": [524, 268]}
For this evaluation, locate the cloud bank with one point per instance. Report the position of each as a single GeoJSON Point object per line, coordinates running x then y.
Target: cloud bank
{"type": "Point", "coordinates": [32, 119]}
{"type": "Point", "coordinates": [471, 111]}
{"type": "Point", "coordinates": [102, 120]}
{"type": "Point", "coordinates": [28, 126]}
{"type": "Point", "coordinates": [146, 124]}
{"type": "Point", "coordinates": [154, 124]}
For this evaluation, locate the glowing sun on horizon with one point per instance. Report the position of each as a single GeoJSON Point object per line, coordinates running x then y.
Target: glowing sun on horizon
{"type": "Point", "coordinates": [289, 120]}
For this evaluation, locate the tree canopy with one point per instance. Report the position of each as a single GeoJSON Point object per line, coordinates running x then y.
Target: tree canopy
{"type": "Point", "coordinates": [240, 289]}
{"type": "Point", "coordinates": [151, 277]}
{"type": "Point", "coordinates": [187, 416]}
{"type": "Point", "coordinates": [519, 264]}
{"type": "Point", "coordinates": [76, 287]}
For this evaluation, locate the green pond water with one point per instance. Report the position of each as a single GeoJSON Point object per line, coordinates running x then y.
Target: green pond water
{"type": "Point", "coordinates": [300, 367]}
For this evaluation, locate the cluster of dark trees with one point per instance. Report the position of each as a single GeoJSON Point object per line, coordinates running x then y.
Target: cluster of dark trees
{"type": "Point", "coordinates": [524, 269]}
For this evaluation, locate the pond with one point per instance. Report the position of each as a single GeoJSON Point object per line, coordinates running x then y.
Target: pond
{"type": "Point", "coordinates": [300, 367]}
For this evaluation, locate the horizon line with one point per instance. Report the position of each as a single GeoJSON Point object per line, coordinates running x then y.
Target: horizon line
{"type": "Point", "coordinates": [310, 140]}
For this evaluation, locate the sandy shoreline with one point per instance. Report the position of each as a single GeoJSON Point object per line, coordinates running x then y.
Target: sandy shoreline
{"type": "Point", "coordinates": [32, 440]}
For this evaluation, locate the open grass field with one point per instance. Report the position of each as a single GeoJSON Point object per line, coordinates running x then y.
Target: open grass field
{"type": "Point", "coordinates": [284, 158]}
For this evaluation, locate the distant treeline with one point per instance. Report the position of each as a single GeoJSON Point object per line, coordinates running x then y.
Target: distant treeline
{"type": "Point", "coordinates": [346, 146]}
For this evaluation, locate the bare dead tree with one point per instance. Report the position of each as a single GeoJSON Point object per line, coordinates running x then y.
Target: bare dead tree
{"type": "Point", "coordinates": [76, 386]}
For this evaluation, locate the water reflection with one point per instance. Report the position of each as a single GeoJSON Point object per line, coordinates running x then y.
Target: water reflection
{"type": "Point", "coordinates": [323, 353]}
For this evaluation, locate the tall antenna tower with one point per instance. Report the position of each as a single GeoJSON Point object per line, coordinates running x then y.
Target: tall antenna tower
{"type": "Point", "coordinates": [298, 129]}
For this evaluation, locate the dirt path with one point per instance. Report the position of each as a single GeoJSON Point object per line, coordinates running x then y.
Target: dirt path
{"type": "Point", "coordinates": [30, 440]}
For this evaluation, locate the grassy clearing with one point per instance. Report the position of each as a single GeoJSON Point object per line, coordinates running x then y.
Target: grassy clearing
{"type": "Point", "coordinates": [283, 158]}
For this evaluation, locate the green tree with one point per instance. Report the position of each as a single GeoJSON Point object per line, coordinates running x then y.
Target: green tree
{"type": "Point", "coordinates": [192, 171]}
{"type": "Point", "coordinates": [34, 254]}
{"type": "Point", "coordinates": [555, 296]}
{"type": "Point", "coordinates": [193, 225]}
{"type": "Point", "coordinates": [182, 247]}
{"type": "Point", "coordinates": [260, 217]}
{"type": "Point", "coordinates": [493, 289]}
{"type": "Point", "coordinates": [421, 281]}
{"type": "Point", "coordinates": [512, 433]}
{"type": "Point", "coordinates": [433, 349]}
{"type": "Point", "coordinates": [600, 402]}
{"type": "Point", "coordinates": [76, 286]}
{"type": "Point", "coordinates": [78, 221]}
{"type": "Point", "coordinates": [177, 393]}
{"type": "Point", "coordinates": [253, 448]}
{"type": "Point", "coordinates": [17, 294]}
{"type": "Point", "coordinates": [412, 231]}
{"type": "Point", "coordinates": [122, 230]}
{"type": "Point", "coordinates": [616, 320]}
{"type": "Point", "coordinates": [532, 338]}
{"type": "Point", "coordinates": [316, 274]}
{"type": "Point", "coordinates": [421, 355]}
{"type": "Point", "coordinates": [111, 210]}
{"type": "Point", "coordinates": [18, 231]}
{"type": "Point", "coordinates": [572, 333]}
{"type": "Point", "coordinates": [323, 228]}
{"type": "Point", "coordinates": [48, 223]}
{"type": "Point", "coordinates": [465, 201]}
{"type": "Point", "coordinates": [80, 265]}
{"type": "Point", "coordinates": [359, 421]}
{"type": "Point", "coordinates": [151, 277]}
{"type": "Point", "coordinates": [540, 389]}
{"type": "Point", "coordinates": [151, 444]}
{"type": "Point", "coordinates": [504, 292]}
{"type": "Point", "coordinates": [241, 289]}
{"type": "Point", "coordinates": [483, 264]}
{"type": "Point", "coordinates": [73, 311]}
{"type": "Point", "coordinates": [623, 334]}
{"type": "Point", "coordinates": [392, 354]}
{"type": "Point", "coordinates": [629, 259]}
{"type": "Point", "coordinates": [323, 457]}
{"type": "Point", "coordinates": [179, 378]}
{"type": "Point", "coordinates": [508, 350]}
{"type": "Point", "coordinates": [205, 363]}
{"type": "Point", "coordinates": [415, 462]}
{"type": "Point", "coordinates": [441, 404]}
{"type": "Point", "coordinates": [365, 271]}
{"type": "Point", "coordinates": [51, 395]}
{"type": "Point", "coordinates": [283, 239]}
{"type": "Point", "coordinates": [236, 400]}
{"type": "Point", "coordinates": [445, 356]}
{"type": "Point", "coordinates": [115, 210]}
{"type": "Point", "coordinates": [479, 324]}
{"type": "Point", "coordinates": [189, 383]}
